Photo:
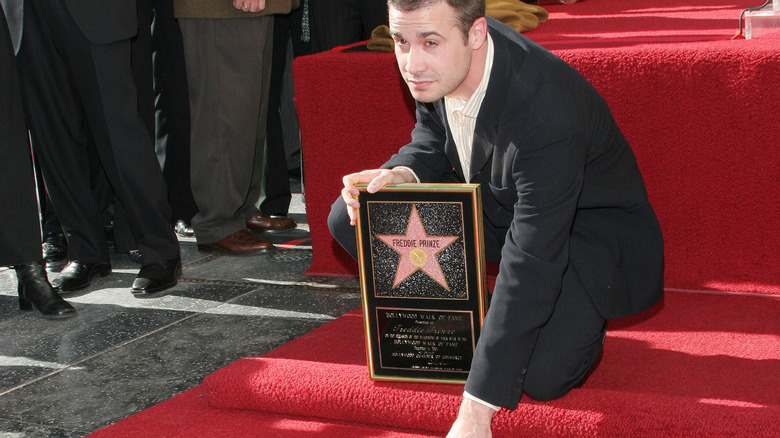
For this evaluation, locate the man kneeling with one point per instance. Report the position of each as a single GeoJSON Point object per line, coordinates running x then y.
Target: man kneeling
{"type": "Point", "coordinates": [565, 208]}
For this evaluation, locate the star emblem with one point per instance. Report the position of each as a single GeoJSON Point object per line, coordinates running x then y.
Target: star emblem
{"type": "Point", "coordinates": [418, 251]}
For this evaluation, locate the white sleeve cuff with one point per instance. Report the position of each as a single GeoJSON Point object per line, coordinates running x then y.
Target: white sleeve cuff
{"type": "Point", "coordinates": [410, 170]}
{"type": "Point", "coordinates": [480, 401]}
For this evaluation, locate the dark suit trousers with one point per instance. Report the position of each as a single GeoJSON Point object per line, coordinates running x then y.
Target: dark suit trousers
{"type": "Point", "coordinates": [163, 105]}
{"type": "Point", "coordinates": [277, 181]}
{"type": "Point", "coordinates": [339, 22]}
{"type": "Point", "coordinates": [70, 85]}
{"type": "Point", "coordinates": [163, 100]}
{"type": "Point", "coordinates": [568, 345]}
{"type": "Point", "coordinates": [228, 71]}
{"type": "Point", "coordinates": [20, 236]}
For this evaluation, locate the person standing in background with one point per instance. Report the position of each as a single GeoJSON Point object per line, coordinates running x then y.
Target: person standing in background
{"type": "Point", "coordinates": [157, 59]}
{"type": "Point", "coordinates": [158, 65]}
{"type": "Point", "coordinates": [77, 84]}
{"type": "Point", "coordinates": [282, 126]}
{"type": "Point", "coordinates": [227, 51]}
{"type": "Point", "coordinates": [20, 232]}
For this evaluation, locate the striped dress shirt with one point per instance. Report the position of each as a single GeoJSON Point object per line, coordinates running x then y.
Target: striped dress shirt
{"type": "Point", "coordinates": [462, 114]}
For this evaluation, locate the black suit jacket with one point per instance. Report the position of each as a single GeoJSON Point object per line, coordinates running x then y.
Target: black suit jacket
{"type": "Point", "coordinates": [562, 190]}
{"type": "Point", "coordinates": [104, 21]}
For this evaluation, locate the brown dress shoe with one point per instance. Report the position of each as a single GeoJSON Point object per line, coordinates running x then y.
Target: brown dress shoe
{"type": "Point", "coordinates": [270, 224]}
{"type": "Point", "coordinates": [239, 243]}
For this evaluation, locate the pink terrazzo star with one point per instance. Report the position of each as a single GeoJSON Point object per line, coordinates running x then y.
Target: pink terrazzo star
{"type": "Point", "coordinates": [418, 251]}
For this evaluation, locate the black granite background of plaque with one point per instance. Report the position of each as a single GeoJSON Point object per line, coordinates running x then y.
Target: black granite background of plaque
{"type": "Point", "coordinates": [438, 219]}
{"type": "Point", "coordinates": [422, 280]}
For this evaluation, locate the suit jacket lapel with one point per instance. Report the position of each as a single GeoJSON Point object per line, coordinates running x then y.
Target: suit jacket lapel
{"type": "Point", "coordinates": [484, 141]}
{"type": "Point", "coordinates": [486, 129]}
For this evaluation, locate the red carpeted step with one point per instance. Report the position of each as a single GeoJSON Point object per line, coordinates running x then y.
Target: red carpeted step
{"type": "Point", "coordinates": [704, 365]}
{"type": "Point", "coordinates": [188, 415]}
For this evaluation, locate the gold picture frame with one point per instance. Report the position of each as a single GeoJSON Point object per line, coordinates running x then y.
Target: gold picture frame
{"type": "Point", "coordinates": [422, 280]}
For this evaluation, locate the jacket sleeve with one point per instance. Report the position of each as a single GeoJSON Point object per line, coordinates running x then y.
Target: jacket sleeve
{"type": "Point", "coordinates": [546, 175]}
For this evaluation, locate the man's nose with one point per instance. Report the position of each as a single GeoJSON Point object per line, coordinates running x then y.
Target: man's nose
{"type": "Point", "coordinates": [415, 62]}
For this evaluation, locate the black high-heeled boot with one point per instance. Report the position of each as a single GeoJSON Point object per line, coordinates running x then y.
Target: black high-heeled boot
{"type": "Point", "coordinates": [36, 291]}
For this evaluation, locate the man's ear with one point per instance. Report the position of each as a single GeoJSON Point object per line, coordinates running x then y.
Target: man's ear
{"type": "Point", "coordinates": [478, 32]}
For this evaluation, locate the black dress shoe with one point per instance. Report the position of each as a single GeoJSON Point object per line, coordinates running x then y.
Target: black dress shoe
{"type": "Point", "coordinates": [55, 250]}
{"type": "Point", "coordinates": [135, 256]}
{"type": "Point", "coordinates": [108, 229]}
{"type": "Point", "coordinates": [35, 291]}
{"type": "Point", "coordinates": [78, 275]}
{"type": "Point", "coordinates": [183, 228]}
{"type": "Point", "coordinates": [156, 277]}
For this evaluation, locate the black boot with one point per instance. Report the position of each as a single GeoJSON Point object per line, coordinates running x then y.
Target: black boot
{"type": "Point", "coordinates": [36, 291]}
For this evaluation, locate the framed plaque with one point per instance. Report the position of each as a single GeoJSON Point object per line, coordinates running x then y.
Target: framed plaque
{"type": "Point", "coordinates": [422, 279]}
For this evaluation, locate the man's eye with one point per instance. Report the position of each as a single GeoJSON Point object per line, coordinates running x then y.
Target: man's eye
{"type": "Point", "coordinates": [431, 43]}
{"type": "Point", "coordinates": [400, 41]}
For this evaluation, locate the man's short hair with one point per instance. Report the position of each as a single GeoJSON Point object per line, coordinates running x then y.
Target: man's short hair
{"type": "Point", "coordinates": [466, 10]}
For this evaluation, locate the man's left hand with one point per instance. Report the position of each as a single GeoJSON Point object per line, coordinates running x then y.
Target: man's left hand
{"type": "Point", "coordinates": [473, 421]}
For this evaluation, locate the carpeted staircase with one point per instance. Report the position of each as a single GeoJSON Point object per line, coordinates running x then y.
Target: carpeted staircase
{"type": "Point", "coordinates": [696, 365]}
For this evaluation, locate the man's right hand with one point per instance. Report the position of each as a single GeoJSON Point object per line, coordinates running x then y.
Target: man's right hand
{"type": "Point", "coordinates": [376, 179]}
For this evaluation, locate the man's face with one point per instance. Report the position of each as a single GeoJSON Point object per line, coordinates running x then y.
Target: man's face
{"type": "Point", "coordinates": [432, 55]}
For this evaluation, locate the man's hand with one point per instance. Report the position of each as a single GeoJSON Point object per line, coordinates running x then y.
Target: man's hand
{"type": "Point", "coordinates": [249, 5]}
{"type": "Point", "coordinates": [473, 421]}
{"type": "Point", "coordinates": [376, 179]}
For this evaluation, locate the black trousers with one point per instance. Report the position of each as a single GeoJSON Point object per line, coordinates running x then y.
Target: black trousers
{"type": "Point", "coordinates": [276, 184]}
{"type": "Point", "coordinates": [157, 58]}
{"type": "Point", "coordinates": [163, 98]}
{"type": "Point", "coordinates": [73, 88]}
{"type": "Point", "coordinates": [20, 235]}
{"type": "Point", "coordinates": [568, 345]}
{"type": "Point", "coordinates": [339, 22]}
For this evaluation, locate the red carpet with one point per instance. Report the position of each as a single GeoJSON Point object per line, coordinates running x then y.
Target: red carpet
{"type": "Point", "coordinates": [697, 107]}
{"type": "Point", "coordinates": [698, 365]}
